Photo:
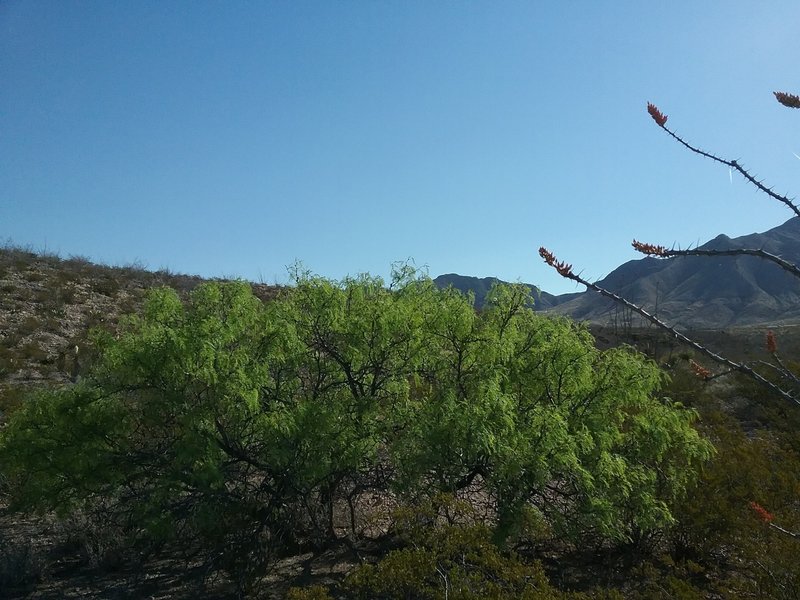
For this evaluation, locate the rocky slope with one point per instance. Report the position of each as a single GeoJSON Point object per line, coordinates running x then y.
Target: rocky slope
{"type": "Point", "coordinates": [48, 305]}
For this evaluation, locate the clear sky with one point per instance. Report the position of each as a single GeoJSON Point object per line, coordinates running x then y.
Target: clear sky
{"type": "Point", "coordinates": [234, 138]}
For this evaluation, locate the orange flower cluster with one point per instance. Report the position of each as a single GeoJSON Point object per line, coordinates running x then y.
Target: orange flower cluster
{"type": "Point", "coordinates": [790, 100]}
{"type": "Point", "coordinates": [649, 249]}
{"type": "Point", "coordinates": [700, 370]}
{"type": "Point", "coordinates": [772, 342]}
{"type": "Point", "coordinates": [659, 117]}
{"type": "Point", "coordinates": [765, 515]}
{"type": "Point", "coordinates": [564, 269]}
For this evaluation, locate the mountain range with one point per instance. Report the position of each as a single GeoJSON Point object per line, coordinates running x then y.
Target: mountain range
{"type": "Point", "coordinates": [688, 291]}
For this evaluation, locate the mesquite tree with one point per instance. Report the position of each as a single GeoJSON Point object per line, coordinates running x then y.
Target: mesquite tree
{"type": "Point", "coordinates": [246, 430]}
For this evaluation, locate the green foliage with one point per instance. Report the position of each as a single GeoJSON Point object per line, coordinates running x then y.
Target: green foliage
{"type": "Point", "coordinates": [458, 562]}
{"type": "Point", "coordinates": [666, 580]}
{"type": "Point", "coordinates": [756, 559]}
{"type": "Point", "coordinates": [11, 398]}
{"type": "Point", "coordinates": [543, 417]}
{"type": "Point", "coordinates": [316, 592]}
{"type": "Point", "coordinates": [441, 561]}
{"type": "Point", "coordinates": [243, 427]}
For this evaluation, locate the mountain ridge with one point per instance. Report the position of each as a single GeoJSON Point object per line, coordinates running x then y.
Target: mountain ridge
{"type": "Point", "coordinates": [690, 291]}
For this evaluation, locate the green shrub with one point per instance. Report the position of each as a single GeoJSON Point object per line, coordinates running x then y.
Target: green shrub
{"type": "Point", "coordinates": [30, 324]}
{"type": "Point", "coordinates": [457, 562]}
{"type": "Point", "coordinates": [34, 351]}
{"type": "Point", "coordinates": [34, 275]}
{"type": "Point", "coordinates": [717, 526]}
{"type": "Point", "coordinates": [652, 581]}
{"type": "Point", "coordinates": [11, 398]}
{"type": "Point", "coordinates": [108, 285]}
{"type": "Point", "coordinates": [8, 361]}
{"type": "Point", "coordinates": [240, 427]}
{"type": "Point", "coordinates": [316, 592]}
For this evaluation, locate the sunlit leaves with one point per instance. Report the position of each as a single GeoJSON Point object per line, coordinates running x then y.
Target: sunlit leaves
{"type": "Point", "coordinates": [241, 423]}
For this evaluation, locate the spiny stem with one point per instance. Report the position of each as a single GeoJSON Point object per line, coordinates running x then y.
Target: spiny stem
{"type": "Point", "coordinates": [663, 252]}
{"type": "Point", "coordinates": [735, 165]}
{"type": "Point", "coordinates": [732, 365]}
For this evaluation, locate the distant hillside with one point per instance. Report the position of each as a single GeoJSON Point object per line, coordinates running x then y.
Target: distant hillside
{"type": "Point", "coordinates": [481, 286]}
{"type": "Point", "coordinates": [693, 291]}
{"type": "Point", "coordinates": [705, 292]}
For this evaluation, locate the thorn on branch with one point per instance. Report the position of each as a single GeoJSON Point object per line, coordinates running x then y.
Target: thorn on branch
{"type": "Point", "coordinates": [564, 269]}
{"type": "Point", "coordinates": [659, 117]}
{"type": "Point", "coordinates": [790, 100]}
{"type": "Point", "coordinates": [649, 249]}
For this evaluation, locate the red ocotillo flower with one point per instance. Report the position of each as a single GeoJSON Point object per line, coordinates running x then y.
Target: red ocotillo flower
{"type": "Point", "coordinates": [564, 269]}
{"type": "Point", "coordinates": [649, 249]}
{"type": "Point", "coordinates": [659, 117]}
{"type": "Point", "coordinates": [772, 342]}
{"type": "Point", "coordinates": [700, 370]}
{"type": "Point", "coordinates": [790, 100]}
{"type": "Point", "coordinates": [765, 515]}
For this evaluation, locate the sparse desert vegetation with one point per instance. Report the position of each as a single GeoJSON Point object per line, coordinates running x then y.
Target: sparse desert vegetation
{"type": "Point", "coordinates": [367, 431]}
{"type": "Point", "coordinates": [166, 436]}
{"type": "Point", "coordinates": [370, 439]}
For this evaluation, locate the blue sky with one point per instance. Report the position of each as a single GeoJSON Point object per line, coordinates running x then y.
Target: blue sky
{"type": "Point", "coordinates": [232, 139]}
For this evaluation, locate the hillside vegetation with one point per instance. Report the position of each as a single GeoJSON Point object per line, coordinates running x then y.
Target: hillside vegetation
{"type": "Point", "coordinates": [224, 438]}
{"type": "Point", "coordinates": [48, 304]}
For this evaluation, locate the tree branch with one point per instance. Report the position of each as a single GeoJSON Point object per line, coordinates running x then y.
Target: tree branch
{"type": "Point", "coordinates": [662, 252]}
{"type": "Point", "coordinates": [565, 271]}
{"type": "Point", "coordinates": [661, 121]}
{"type": "Point", "coordinates": [733, 164]}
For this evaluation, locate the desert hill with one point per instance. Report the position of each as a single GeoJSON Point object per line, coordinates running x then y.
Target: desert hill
{"type": "Point", "coordinates": [694, 292]}
{"type": "Point", "coordinates": [49, 303]}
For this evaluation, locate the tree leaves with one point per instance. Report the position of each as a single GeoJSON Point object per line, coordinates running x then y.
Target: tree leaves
{"type": "Point", "coordinates": [236, 421]}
